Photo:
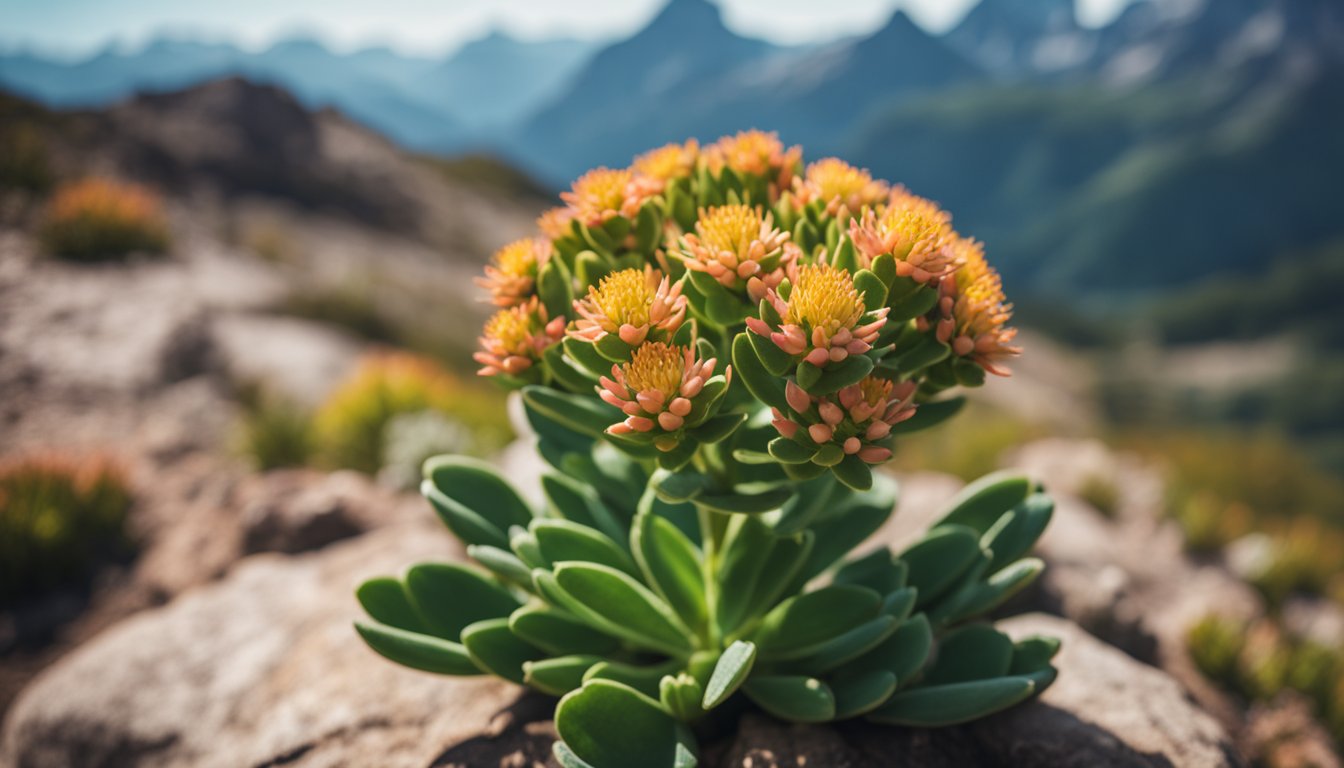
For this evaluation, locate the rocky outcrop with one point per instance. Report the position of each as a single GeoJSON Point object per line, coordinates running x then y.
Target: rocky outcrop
{"type": "Point", "coordinates": [262, 668]}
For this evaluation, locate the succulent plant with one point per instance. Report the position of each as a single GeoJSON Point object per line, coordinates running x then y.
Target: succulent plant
{"type": "Point", "coordinates": [715, 348]}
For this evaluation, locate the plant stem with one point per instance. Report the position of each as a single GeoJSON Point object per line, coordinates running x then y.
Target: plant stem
{"type": "Point", "coordinates": [709, 542]}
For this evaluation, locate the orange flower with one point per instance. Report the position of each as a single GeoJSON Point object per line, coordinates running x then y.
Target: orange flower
{"type": "Point", "coordinates": [839, 186]}
{"type": "Point", "coordinates": [656, 389]}
{"type": "Point", "coordinates": [554, 223]}
{"type": "Point", "coordinates": [824, 319]}
{"type": "Point", "coordinates": [738, 247]}
{"type": "Point", "coordinates": [599, 195]}
{"type": "Point", "coordinates": [974, 313]}
{"type": "Point", "coordinates": [757, 153]}
{"type": "Point", "coordinates": [514, 338]}
{"type": "Point", "coordinates": [655, 168]}
{"type": "Point", "coordinates": [631, 304]}
{"type": "Point", "coordinates": [513, 275]}
{"type": "Point", "coordinates": [858, 418]}
{"type": "Point", "coordinates": [914, 230]}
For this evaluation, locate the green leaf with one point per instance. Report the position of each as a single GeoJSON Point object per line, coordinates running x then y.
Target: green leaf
{"type": "Point", "coordinates": [558, 676]}
{"type": "Point", "coordinates": [952, 704]}
{"type": "Point", "coordinates": [873, 288]}
{"type": "Point", "coordinates": [502, 563]}
{"type": "Point", "coordinates": [417, 651]}
{"type": "Point", "coordinates": [574, 501]}
{"type": "Point", "coordinates": [854, 472]}
{"type": "Point", "coordinates": [937, 560]}
{"type": "Point", "coordinates": [861, 693]}
{"type": "Point", "coordinates": [477, 486]}
{"type": "Point", "coordinates": [557, 632]}
{"type": "Point", "coordinates": [808, 501]}
{"type": "Point", "coordinates": [790, 452]}
{"type": "Point", "coordinates": [719, 428]}
{"type": "Point", "coordinates": [900, 603]}
{"type": "Point", "coordinates": [746, 548]}
{"type": "Point", "coordinates": [744, 503]}
{"type": "Point", "coordinates": [568, 374]}
{"type": "Point", "coordinates": [648, 228]}
{"type": "Point", "coordinates": [565, 540]}
{"type": "Point", "coordinates": [1016, 532]}
{"type": "Point", "coordinates": [877, 570]}
{"type": "Point", "coordinates": [611, 347]}
{"type": "Point", "coordinates": [972, 652]}
{"type": "Point", "coordinates": [645, 679]}
{"type": "Point", "coordinates": [497, 650]}
{"type": "Point", "coordinates": [849, 646]}
{"type": "Point", "coordinates": [903, 654]}
{"type": "Point", "coordinates": [681, 696]}
{"type": "Point", "coordinates": [802, 624]}
{"type": "Point", "coordinates": [1032, 654]}
{"type": "Point", "coordinates": [767, 388]}
{"type": "Point", "coordinates": [584, 415]}
{"type": "Point", "coordinates": [449, 596]}
{"type": "Point", "coordinates": [674, 487]}
{"type": "Point", "coordinates": [929, 415]}
{"type": "Point", "coordinates": [776, 361]}
{"type": "Point", "coordinates": [837, 376]}
{"type": "Point", "coordinates": [987, 596]}
{"type": "Point", "coordinates": [386, 601]}
{"type": "Point", "coordinates": [671, 565]}
{"type": "Point", "coordinates": [553, 286]}
{"type": "Point", "coordinates": [622, 606]}
{"type": "Point", "coordinates": [609, 725]}
{"type": "Point", "coordinates": [980, 504]}
{"type": "Point", "coordinates": [729, 673]}
{"type": "Point", "coordinates": [583, 353]}
{"type": "Point", "coordinates": [792, 697]}
{"type": "Point", "coordinates": [856, 518]}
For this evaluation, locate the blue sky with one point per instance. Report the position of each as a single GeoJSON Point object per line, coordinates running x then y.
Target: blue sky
{"type": "Point", "coordinates": [76, 27]}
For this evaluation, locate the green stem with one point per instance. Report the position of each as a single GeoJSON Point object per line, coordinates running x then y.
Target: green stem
{"type": "Point", "coordinates": [711, 538]}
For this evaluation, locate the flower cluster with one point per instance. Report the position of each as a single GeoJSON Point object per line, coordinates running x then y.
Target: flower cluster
{"type": "Point", "coordinates": [844, 304]}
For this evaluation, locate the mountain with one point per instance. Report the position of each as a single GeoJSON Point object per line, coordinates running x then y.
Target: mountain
{"type": "Point", "coordinates": [1016, 38]}
{"type": "Point", "coordinates": [497, 80]}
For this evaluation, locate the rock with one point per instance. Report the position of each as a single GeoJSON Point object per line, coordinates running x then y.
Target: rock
{"type": "Point", "coordinates": [1284, 734]}
{"type": "Point", "coordinates": [295, 511]}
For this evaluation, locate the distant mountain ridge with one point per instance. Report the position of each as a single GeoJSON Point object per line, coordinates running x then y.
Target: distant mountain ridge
{"type": "Point", "coordinates": [1185, 138]}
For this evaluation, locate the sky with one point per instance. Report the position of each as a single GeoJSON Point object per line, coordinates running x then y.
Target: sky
{"type": "Point", "coordinates": [72, 28]}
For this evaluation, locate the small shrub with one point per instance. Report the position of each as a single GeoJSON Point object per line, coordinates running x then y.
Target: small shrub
{"type": "Point", "coordinates": [24, 160]}
{"type": "Point", "coordinates": [96, 219]}
{"type": "Point", "coordinates": [351, 426]}
{"type": "Point", "coordinates": [1258, 661]}
{"type": "Point", "coordinates": [1307, 556]}
{"type": "Point", "coordinates": [276, 432]}
{"type": "Point", "coordinates": [59, 518]}
{"type": "Point", "coordinates": [1101, 493]}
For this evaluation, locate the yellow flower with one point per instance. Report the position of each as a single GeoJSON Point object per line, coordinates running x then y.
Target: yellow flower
{"type": "Point", "coordinates": [914, 230]}
{"type": "Point", "coordinates": [737, 246]}
{"type": "Point", "coordinates": [631, 304]}
{"type": "Point", "coordinates": [514, 338]}
{"type": "Point", "coordinates": [670, 161]}
{"type": "Point", "coordinates": [821, 320]}
{"type": "Point", "coordinates": [838, 185]}
{"type": "Point", "coordinates": [513, 275]}
{"type": "Point", "coordinates": [554, 223]}
{"type": "Point", "coordinates": [974, 311]}
{"type": "Point", "coordinates": [656, 389]}
{"type": "Point", "coordinates": [599, 195]}
{"type": "Point", "coordinates": [757, 153]}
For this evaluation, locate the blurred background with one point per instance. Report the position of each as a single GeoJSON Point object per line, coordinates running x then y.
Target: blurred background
{"type": "Point", "coordinates": [237, 243]}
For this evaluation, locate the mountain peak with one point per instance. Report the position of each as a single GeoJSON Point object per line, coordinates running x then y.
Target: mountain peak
{"type": "Point", "coordinates": [687, 16]}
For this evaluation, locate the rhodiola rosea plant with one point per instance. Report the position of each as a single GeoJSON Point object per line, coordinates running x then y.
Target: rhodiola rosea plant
{"type": "Point", "coordinates": [715, 348]}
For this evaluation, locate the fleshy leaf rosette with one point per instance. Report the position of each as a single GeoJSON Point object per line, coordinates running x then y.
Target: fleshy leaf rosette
{"type": "Point", "coordinates": [716, 350]}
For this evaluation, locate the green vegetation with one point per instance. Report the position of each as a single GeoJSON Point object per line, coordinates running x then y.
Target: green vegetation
{"type": "Point", "coordinates": [1258, 661]}
{"type": "Point", "coordinates": [276, 432]}
{"type": "Point", "coordinates": [486, 173]}
{"type": "Point", "coordinates": [59, 519]}
{"type": "Point", "coordinates": [98, 219]}
{"type": "Point", "coordinates": [25, 156]}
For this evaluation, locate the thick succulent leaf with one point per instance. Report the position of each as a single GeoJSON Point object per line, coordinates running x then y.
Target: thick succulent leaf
{"type": "Point", "coordinates": [944, 610]}
{"type": "Point", "coordinates": [558, 676]}
{"type": "Point", "coordinates": [720, 427]}
{"type": "Point", "coordinates": [861, 693]}
{"type": "Point", "coordinates": [565, 540]}
{"type": "Point", "coordinates": [575, 501]}
{"type": "Point", "coordinates": [954, 703]}
{"type": "Point", "coordinates": [937, 561]}
{"type": "Point", "coordinates": [645, 679]}
{"type": "Point", "coordinates": [1033, 653]}
{"type": "Point", "coordinates": [809, 499]}
{"type": "Point", "coordinates": [855, 519]}
{"type": "Point", "coordinates": [385, 599]}
{"type": "Point", "coordinates": [742, 502]}
{"type": "Point", "coordinates": [746, 549]}
{"type": "Point", "coordinates": [900, 603]}
{"type": "Point", "coordinates": [780, 566]}
{"type": "Point", "coordinates": [584, 415]}
{"type": "Point", "coordinates": [681, 696]}
{"type": "Point", "coordinates": [878, 570]}
{"type": "Point", "coordinates": [838, 376]}
{"type": "Point", "coordinates": [671, 564]}
{"type": "Point", "coordinates": [468, 525]}
{"type": "Point", "coordinates": [477, 486]}
{"type": "Point", "coordinates": [984, 597]}
{"type": "Point", "coordinates": [800, 625]}
{"type": "Point", "coordinates": [792, 697]}
{"type": "Point", "coordinates": [609, 725]}
{"type": "Point", "coordinates": [501, 563]}
{"type": "Point", "coordinates": [675, 487]}
{"type": "Point", "coordinates": [583, 353]}
{"type": "Point", "coordinates": [683, 515]}
{"type": "Point", "coordinates": [903, 654]}
{"type": "Point", "coordinates": [848, 646]}
{"type": "Point", "coordinates": [854, 472]}
{"type": "Point", "coordinates": [972, 652]}
{"type": "Point", "coordinates": [449, 596]}
{"type": "Point", "coordinates": [622, 606]}
{"type": "Point", "coordinates": [980, 504]}
{"type": "Point", "coordinates": [873, 288]}
{"type": "Point", "coordinates": [767, 388]}
{"type": "Point", "coordinates": [1016, 532]}
{"type": "Point", "coordinates": [789, 451]}
{"type": "Point", "coordinates": [729, 673]}
{"type": "Point", "coordinates": [524, 546]}
{"type": "Point", "coordinates": [567, 373]}
{"type": "Point", "coordinates": [930, 415]}
{"type": "Point", "coordinates": [494, 648]}
{"type": "Point", "coordinates": [417, 651]}
{"type": "Point", "coordinates": [559, 633]}
{"type": "Point", "coordinates": [776, 361]}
